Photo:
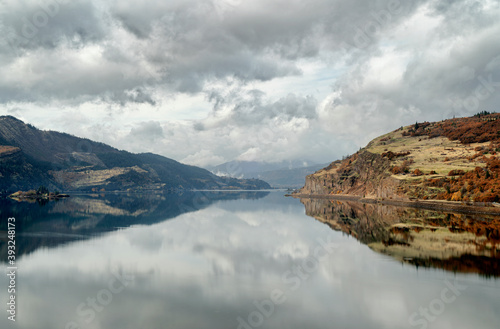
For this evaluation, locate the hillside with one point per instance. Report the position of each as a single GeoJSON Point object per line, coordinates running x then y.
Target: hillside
{"type": "Point", "coordinates": [454, 160]}
{"type": "Point", "coordinates": [30, 157]}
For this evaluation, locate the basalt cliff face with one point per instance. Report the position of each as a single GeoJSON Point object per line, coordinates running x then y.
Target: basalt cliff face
{"type": "Point", "coordinates": [364, 174]}
{"type": "Point", "coordinates": [454, 160]}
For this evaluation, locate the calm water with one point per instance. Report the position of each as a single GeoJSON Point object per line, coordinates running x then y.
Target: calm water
{"type": "Point", "coordinates": [220, 260]}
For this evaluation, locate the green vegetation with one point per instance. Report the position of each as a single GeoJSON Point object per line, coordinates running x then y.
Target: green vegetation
{"type": "Point", "coordinates": [482, 114]}
{"type": "Point", "coordinates": [42, 190]}
{"type": "Point", "coordinates": [31, 157]}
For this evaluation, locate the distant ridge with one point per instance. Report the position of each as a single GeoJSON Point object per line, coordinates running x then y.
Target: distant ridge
{"type": "Point", "coordinates": [30, 157]}
{"type": "Point", "coordinates": [284, 174]}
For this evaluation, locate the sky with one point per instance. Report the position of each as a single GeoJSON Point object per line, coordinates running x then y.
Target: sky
{"type": "Point", "coordinates": [210, 81]}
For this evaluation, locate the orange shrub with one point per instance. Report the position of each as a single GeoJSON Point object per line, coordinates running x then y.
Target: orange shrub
{"type": "Point", "coordinates": [418, 172]}
{"type": "Point", "coordinates": [457, 196]}
{"type": "Point", "coordinates": [456, 172]}
{"type": "Point", "coordinates": [396, 170]}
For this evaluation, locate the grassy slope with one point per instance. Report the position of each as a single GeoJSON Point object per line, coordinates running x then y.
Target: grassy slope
{"type": "Point", "coordinates": [436, 156]}
{"type": "Point", "coordinates": [428, 154]}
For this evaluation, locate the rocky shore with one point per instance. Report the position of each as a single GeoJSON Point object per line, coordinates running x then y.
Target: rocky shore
{"type": "Point", "coordinates": [469, 207]}
{"type": "Point", "coordinates": [33, 196]}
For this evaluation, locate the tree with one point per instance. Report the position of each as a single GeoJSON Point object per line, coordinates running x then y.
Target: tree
{"type": "Point", "coordinates": [42, 190]}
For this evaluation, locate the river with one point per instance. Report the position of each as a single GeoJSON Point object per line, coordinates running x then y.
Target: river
{"type": "Point", "coordinates": [234, 260]}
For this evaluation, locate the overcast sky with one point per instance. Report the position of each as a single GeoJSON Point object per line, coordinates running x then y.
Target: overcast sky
{"type": "Point", "coordinates": [208, 81]}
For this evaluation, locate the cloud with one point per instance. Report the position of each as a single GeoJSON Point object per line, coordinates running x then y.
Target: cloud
{"type": "Point", "coordinates": [108, 49]}
{"type": "Point", "coordinates": [203, 158]}
{"type": "Point", "coordinates": [441, 75]}
{"type": "Point", "coordinates": [270, 80]}
{"type": "Point", "coordinates": [28, 26]}
{"type": "Point", "coordinates": [147, 130]}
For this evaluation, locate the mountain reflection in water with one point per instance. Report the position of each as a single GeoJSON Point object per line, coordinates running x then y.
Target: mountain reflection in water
{"type": "Point", "coordinates": [454, 242]}
{"type": "Point", "coordinates": [82, 217]}
{"type": "Point", "coordinates": [217, 265]}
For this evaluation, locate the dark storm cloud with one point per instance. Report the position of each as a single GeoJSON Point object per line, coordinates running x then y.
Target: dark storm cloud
{"type": "Point", "coordinates": [453, 70]}
{"type": "Point", "coordinates": [269, 78]}
{"type": "Point", "coordinates": [138, 96]}
{"type": "Point", "coordinates": [255, 111]}
{"type": "Point", "coordinates": [108, 49]}
{"type": "Point", "coordinates": [251, 108]}
{"type": "Point", "coordinates": [48, 24]}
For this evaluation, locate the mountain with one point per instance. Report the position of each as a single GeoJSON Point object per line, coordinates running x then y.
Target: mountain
{"type": "Point", "coordinates": [285, 174]}
{"type": "Point", "coordinates": [453, 160]}
{"type": "Point", "coordinates": [30, 157]}
{"type": "Point", "coordinates": [249, 169]}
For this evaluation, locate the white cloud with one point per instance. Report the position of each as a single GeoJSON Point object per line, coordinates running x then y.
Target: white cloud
{"type": "Point", "coordinates": [203, 158]}
{"type": "Point", "coordinates": [315, 80]}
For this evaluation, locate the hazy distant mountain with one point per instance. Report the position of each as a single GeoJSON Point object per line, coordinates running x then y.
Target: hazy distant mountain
{"type": "Point", "coordinates": [30, 157]}
{"type": "Point", "coordinates": [278, 174]}
{"type": "Point", "coordinates": [289, 178]}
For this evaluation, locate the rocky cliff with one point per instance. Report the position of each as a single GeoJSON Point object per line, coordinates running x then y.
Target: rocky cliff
{"type": "Point", "coordinates": [363, 174]}
{"type": "Point", "coordinates": [453, 160]}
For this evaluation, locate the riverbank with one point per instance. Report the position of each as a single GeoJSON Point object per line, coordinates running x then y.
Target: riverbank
{"type": "Point", "coordinates": [454, 206]}
{"type": "Point", "coordinates": [33, 196]}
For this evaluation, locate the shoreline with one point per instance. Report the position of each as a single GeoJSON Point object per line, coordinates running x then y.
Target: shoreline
{"type": "Point", "coordinates": [442, 205]}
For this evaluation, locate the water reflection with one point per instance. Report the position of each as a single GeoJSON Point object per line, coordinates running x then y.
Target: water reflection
{"type": "Point", "coordinates": [219, 267]}
{"type": "Point", "coordinates": [85, 216]}
{"type": "Point", "coordinates": [455, 242]}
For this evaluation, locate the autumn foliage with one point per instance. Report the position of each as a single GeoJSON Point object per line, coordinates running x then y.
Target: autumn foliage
{"type": "Point", "coordinates": [456, 172]}
{"type": "Point", "coordinates": [480, 184]}
{"type": "Point", "coordinates": [393, 155]}
{"type": "Point", "coordinates": [418, 172]}
{"type": "Point", "coordinates": [404, 168]}
{"type": "Point", "coordinates": [477, 129]}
